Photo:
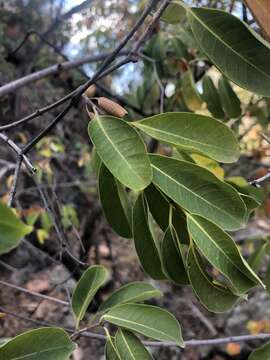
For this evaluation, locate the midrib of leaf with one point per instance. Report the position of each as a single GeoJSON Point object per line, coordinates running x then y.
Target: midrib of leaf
{"type": "Point", "coordinates": [186, 139]}
{"type": "Point", "coordinates": [139, 325]}
{"type": "Point", "coordinates": [42, 352]}
{"type": "Point", "coordinates": [127, 345]}
{"type": "Point", "coordinates": [116, 149]}
{"type": "Point", "coordinates": [228, 46]}
{"type": "Point", "coordinates": [196, 195]}
{"type": "Point", "coordinates": [221, 250]}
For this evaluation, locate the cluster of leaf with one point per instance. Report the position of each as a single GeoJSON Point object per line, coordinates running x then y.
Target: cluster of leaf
{"type": "Point", "coordinates": [185, 195]}
{"type": "Point", "coordinates": [193, 207]}
{"type": "Point", "coordinates": [179, 59]}
{"type": "Point", "coordinates": [122, 309]}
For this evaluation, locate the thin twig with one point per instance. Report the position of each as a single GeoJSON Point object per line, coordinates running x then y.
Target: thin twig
{"type": "Point", "coordinates": [188, 343]}
{"type": "Point", "coordinates": [51, 70]}
{"type": "Point", "coordinates": [33, 293]}
{"type": "Point", "coordinates": [18, 152]}
{"type": "Point", "coordinates": [15, 181]}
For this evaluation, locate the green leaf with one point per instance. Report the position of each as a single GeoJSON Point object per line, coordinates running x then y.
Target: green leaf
{"type": "Point", "coordinates": [213, 296]}
{"type": "Point", "coordinates": [110, 352]}
{"type": "Point", "coordinates": [40, 344]}
{"type": "Point", "coordinates": [233, 47]}
{"type": "Point", "coordinates": [172, 262]}
{"type": "Point", "coordinates": [229, 99]}
{"type": "Point", "coordinates": [190, 93]}
{"type": "Point", "coordinates": [12, 230]}
{"type": "Point", "coordinates": [150, 321]}
{"type": "Point", "coordinates": [159, 206]}
{"type": "Point", "coordinates": [193, 132]}
{"type": "Point", "coordinates": [130, 347]}
{"type": "Point", "coordinates": [256, 257]}
{"type": "Point", "coordinates": [221, 251]}
{"type": "Point", "coordinates": [209, 164]}
{"type": "Point", "coordinates": [122, 150]}
{"type": "Point", "coordinates": [179, 48]}
{"type": "Point", "coordinates": [199, 191]}
{"type": "Point", "coordinates": [250, 202]}
{"type": "Point", "coordinates": [95, 161]}
{"type": "Point", "coordinates": [133, 292]}
{"type": "Point", "coordinates": [115, 203]}
{"type": "Point", "coordinates": [146, 245]}
{"type": "Point", "coordinates": [174, 13]}
{"type": "Point", "coordinates": [262, 353]}
{"type": "Point", "coordinates": [211, 97]}
{"type": "Point", "coordinates": [90, 282]}
{"type": "Point", "coordinates": [110, 348]}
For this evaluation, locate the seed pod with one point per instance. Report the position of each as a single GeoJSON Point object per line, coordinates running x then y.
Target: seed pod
{"type": "Point", "coordinates": [111, 107]}
{"type": "Point", "coordinates": [90, 92]}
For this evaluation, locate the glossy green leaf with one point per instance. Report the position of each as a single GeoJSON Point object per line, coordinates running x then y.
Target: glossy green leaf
{"type": "Point", "coordinates": [190, 93]}
{"type": "Point", "coordinates": [12, 230]}
{"type": "Point", "coordinates": [229, 99]}
{"type": "Point", "coordinates": [40, 344]}
{"type": "Point", "coordinates": [172, 262]}
{"type": "Point", "coordinates": [221, 251]}
{"type": "Point", "coordinates": [262, 353]}
{"type": "Point", "coordinates": [115, 203]}
{"type": "Point", "coordinates": [199, 191]}
{"type": "Point", "coordinates": [150, 321]}
{"type": "Point", "coordinates": [90, 282]}
{"type": "Point", "coordinates": [213, 296]}
{"type": "Point", "coordinates": [211, 97]}
{"type": "Point", "coordinates": [122, 150]}
{"type": "Point", "coordinates": [159, 206]}
{"type": "Point", "coordinates": [233, 47]}
{"type": "Point", "coordinates": [174, 13]}
{"type": "Point", "coordinates": [130, 347]}
{"type": "Point", "coordinates": [146, 245]}
{"type": "Point", "coordinates": [133, 292]}
{"type": "Point", "coordinates": [193, 132]}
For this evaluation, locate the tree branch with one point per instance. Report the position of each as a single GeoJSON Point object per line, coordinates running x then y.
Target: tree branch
{"type": "Point", "coordinates": [54, 69]}
{"type": "Point", "coordinates": [188, 343]}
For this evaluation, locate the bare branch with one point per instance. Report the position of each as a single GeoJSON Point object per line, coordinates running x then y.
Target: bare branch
{"type": "Point", "coordinates": [188, 343]}
{"type": "Point", "coordinates": [15, 180]}
{"type": "Point", "coordinates": [54, 69]}
{"type": "Point", "coordinates": [33, 293]}
{"type": "Point", "coordinates": [18, 152]}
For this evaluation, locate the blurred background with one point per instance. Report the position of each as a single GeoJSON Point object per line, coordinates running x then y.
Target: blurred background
{"type": "Point", "coordinates": [171, 75]}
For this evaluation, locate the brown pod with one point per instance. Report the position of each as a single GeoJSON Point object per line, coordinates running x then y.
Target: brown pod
{"type": "Point", "coordinates": [111, 107]}
{"type": "Point", "coordinates": [90, 92]}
